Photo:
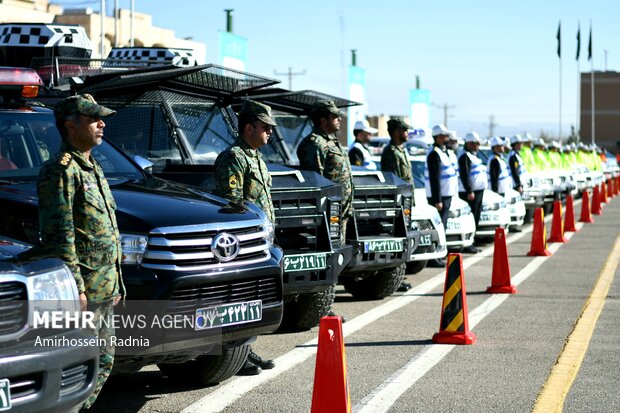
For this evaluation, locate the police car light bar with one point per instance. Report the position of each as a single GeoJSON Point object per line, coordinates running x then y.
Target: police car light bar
{"type": "Point", "coordinates": [27, 78]}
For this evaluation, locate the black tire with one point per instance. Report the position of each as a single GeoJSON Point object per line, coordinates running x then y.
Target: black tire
{"type": "Point", "coordinates": [308, 309]}
{"type": "Point", "coordinates": [415, 267]}
{"type": "Point", "coordinates": [377, 285]}
{"type": "Point", "coordinates": [208, 369]}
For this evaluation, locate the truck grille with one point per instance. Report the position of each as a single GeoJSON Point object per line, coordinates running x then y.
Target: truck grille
{"type": "Point", "coordinates": [372, 201]}
{"type": "Point", "coordinates": [187, 298]}
{"type": "Point", "coordinates": [25, 386]}
{"type": "Point", "coordinates": [74, 378]}
{"type": "Point", "coordinates": [13, 307]}
{"type": "Point", "coordinates": [189, 248]}
{"type": "Point", "coordinates": [423, 224]}
{"type": "Point", "coordinates": [299, 206]}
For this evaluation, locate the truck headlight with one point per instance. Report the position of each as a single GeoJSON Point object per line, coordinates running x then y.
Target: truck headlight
{"type": "Point", "coordinates": [436, 218]}
{"type": "Point", "coordinates": [53, 291]}
{"type": "Point", "coordinates": [270, 228]}
{"type": "Point", "coordinates": [133, 247]}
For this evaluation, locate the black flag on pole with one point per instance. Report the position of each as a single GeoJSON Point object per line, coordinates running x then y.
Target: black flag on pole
{"type": "Point", "coordinates": [578, 41]}
{"type": "Point", "coordinates": [559, 39]}
{"type": "Point", "coordinates": [590, 44]}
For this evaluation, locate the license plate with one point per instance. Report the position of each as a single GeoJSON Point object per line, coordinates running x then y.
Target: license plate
{"type": "Point", "coordinates": [228, 315]}
{"type": "Point", "coordinates": [488, 217]}
{"type": "Point", "coordinates": [454, 225]}
{"type": "Point", "coordinates": [5, 394]}
{"type": "Point", "coordinates": [426, 240]}
{"type": "Point", "coordinates": [383, 245]}
{"type": "Point", "coordinates": [301, 262]}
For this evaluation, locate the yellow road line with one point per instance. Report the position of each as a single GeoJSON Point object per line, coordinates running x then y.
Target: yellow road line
{"type": "Point", "coordinates": [563, 374]}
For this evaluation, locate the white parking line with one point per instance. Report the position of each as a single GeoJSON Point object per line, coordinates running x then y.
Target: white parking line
{"type": "Point", "coordinates": [386, 394]}
{"type": "Point", "coordinates": [227, 394]}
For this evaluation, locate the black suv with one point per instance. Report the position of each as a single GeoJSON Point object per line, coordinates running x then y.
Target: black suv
{"type": "Point", "coordinates": [39, 370]}
{"type": "Point", "coordinates": [180, 119]}
{"type": "Point", "coordinates": [170, 235]}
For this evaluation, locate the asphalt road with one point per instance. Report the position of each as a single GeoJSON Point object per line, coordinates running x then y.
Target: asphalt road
{"type": "Point", "coordinates": [392, 364]}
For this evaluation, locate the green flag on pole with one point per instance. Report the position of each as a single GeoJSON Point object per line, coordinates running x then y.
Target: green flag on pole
{"type": "Point", "coordinates": [559, 39]}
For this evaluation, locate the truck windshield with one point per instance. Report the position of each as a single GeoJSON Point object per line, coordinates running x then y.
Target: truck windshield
{"type": "Point", "coordinates": [171, 128]}
{"type": "Point", "coordinates": [417, 167]}
{"type": "Point", "coordinates": [293, 130]}
{"type": "Point", "coordinates": [28, 139]}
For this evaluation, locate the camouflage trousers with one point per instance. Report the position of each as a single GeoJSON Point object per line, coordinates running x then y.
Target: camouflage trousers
{"type": "Point", "coordinates": [106, 351]}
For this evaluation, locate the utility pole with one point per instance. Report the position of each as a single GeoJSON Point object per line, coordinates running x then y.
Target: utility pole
{"type": "Point", "coordinates": [290, 75]}
{"type": "Point", "coordinates": [445, 108]}
{"type": "Point", "coordinates": [492, 125]}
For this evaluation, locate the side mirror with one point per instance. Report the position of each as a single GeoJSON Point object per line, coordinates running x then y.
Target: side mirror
{"type": "Point", "coordinates": [143, 163]}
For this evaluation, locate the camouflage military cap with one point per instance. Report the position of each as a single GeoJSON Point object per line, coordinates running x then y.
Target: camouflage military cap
{"type": "Point", "coordinates": [81, 104]}
{"type": "Point", "coordinates": [394, 124]}
{"type": "Point", "coordinates": [325, 106]}
{"type": "Point", "coordinates": [257, 110]}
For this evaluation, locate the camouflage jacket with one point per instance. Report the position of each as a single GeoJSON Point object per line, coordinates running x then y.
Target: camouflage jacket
{"type": "Point", "coordinates": [77, 222]}
{"type": "Point", "coordinates": [323, 154]}
{"type": "Point", "coordinates": [394, 159]}
{"type": "Point", "coordinates": [241, 174]}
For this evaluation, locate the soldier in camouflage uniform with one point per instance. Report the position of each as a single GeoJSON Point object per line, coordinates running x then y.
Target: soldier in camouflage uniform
{"type": "Point", "coordinates": [241, 175]}
{"type": "Point", "coordinates": [394, 158]}
{"type": "Point", "coordinates": [321, 152]}
{"type": "Point", "coordinates": [76, 215]}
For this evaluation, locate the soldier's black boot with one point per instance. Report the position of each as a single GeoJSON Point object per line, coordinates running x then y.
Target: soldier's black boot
{"type": "Point", "coordinates": [249, 369]}
{"type": "Point", "coordinates": [258, 360]}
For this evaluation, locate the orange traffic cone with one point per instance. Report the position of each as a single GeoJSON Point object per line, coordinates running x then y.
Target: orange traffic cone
{"type": "Point", "coordinates": [604, 198]}
{"type": "Point", "coordinates": [331, 384]}
{"type": "Point", "coordinates": [586, 216]}
{"type": "Point", "coordinates": [500, 280]}
{"type": "Point", "coordinates": [557, 225]}
{"type": "Point", "coordinates": [610, 188]}
{"type": "Point", "coordinates": [596, 202]}
{"type": "Point", "coordinates": [569, 218]}
{"type": "Point", "coordinates": [617, 185]}
{"type": "Point", "coordinates": [539, 236]}
{"type": "Point", "coordinates": [454, 324]}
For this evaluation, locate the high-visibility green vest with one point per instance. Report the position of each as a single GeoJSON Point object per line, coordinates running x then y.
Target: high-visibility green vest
{"type": "Point", "coordinates": [528, 159]}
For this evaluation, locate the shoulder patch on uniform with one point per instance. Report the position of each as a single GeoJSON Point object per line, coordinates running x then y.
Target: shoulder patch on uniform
{"type": "Point", "coordinates": [232, 182]}
{"type": "Point", "coordinates": [65, 159]}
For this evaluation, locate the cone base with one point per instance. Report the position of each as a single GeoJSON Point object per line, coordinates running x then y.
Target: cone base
{"type": "Point", "coordinates": [459, 338]}
{"type": "Point", "coordinates": [502, 289]}
{"type": "Point", "coordinates": [597, 213]}
{"type": "Point", "coordinates": [559, 239]}
{"type": "Point", "coordinates": [543, 253]}
{"type": "Point", "coordinates": [587, 221]}
{"type": "Point", "coordinates": [573, 229]}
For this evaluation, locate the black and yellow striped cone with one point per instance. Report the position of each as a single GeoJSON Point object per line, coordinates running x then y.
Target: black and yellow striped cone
{"type": "Point", "coordinates": [454, 324]}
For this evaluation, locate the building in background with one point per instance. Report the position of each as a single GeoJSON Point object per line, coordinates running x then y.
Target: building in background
{"type": "Point", "coordinates": [145, 34]}
{"type": "Point", "coordinates": [606, 109]}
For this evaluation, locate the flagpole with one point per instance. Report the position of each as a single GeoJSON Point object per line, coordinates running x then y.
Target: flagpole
{"type": "Point", "coordinates": [560, 136]}
{"type": "Point", "coordinates": [591, 58]}
{"type": "Point", "coordinates": [592, 94]}
{"type": "Point", "coordinates": [578, 99]}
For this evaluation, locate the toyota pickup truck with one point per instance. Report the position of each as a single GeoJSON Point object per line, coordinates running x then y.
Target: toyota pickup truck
{"type": "Point", "coordinates": [189, 251]}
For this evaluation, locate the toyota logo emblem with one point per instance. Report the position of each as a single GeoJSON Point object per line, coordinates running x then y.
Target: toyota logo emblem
{"type": "Point", "coordinates": [225, 247]}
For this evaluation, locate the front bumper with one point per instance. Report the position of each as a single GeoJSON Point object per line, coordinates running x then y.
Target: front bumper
{"type": "Point", "coordinates": [490, 220]}
{"type": "Point", "coordinates": [298, 280]}
{"type": "Point", "coordinates": [179, 295]}
{"type": "Point", "coordinates": [517, 214]}
{"type": "Point", "coordinates": [460, 231]}
{"type": "Point", "coordinates": [429, 251]}
{"type": "Point", "coordinates": [56, 378]}
{"type": "Point", "coordinates": [384, 256]}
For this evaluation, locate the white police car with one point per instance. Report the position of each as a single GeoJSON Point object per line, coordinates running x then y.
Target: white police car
{"type": "Point", "coordinates": [494, 214]}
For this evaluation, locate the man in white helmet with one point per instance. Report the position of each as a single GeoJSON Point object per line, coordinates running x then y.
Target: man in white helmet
{"type": "Point", "coordinates": [440, 177]}
{"type": "Point", "coordinates": [472, 179]}
{"type": "Point", "coordinates": [498, 171]}
{"type": "Point", "coordinates": [359, 154]}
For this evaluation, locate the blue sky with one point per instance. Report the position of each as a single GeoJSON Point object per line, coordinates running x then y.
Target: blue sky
{"type": "Point", "coordinates": [482, 57]}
